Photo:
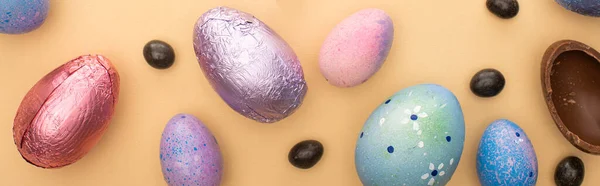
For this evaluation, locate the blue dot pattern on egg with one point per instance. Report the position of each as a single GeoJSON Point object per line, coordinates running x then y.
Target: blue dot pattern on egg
{"type": "Point", "coordinates": [414, 138]}
{"type": "Point", "coordinates": [22, 16]}
{"type": "Point", "coordinates": [506, 156]}
{"type": "Point", "coordinates": [189, 153]}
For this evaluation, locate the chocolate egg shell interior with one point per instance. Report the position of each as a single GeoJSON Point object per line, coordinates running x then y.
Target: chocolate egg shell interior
{"type": "Point", "coordinates": [571, 85]}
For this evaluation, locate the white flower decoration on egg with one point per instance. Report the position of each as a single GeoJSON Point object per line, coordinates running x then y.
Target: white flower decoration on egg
{"type": "Point", "coordinates": [433, 173]}
{"type": "Point", "coordinates": [414, 116]}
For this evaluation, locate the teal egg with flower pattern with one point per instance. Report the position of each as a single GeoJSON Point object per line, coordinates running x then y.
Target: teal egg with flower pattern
{"type": "Point", "coordinates": [415, 137]}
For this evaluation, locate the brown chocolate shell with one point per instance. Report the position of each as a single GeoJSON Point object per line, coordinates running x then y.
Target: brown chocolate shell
{"type": "Point", "coordinates": [571, 86]}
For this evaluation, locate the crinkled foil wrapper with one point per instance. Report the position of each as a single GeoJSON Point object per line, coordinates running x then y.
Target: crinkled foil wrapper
{"type": "Point", "coordinates": [249, 65]}
{"type": "Point", "coordinates": [66, 112]}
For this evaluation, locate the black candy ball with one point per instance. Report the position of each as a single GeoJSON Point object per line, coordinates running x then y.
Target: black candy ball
{"type": "Point", "coordinates": [569, 172]}
{"type": "Point", "coordinates": [505, 9]}
{"type": "Point", "coordinates": [487, 83]}
{"type": "Point", "coordinates": [159, 54]}
{"type": "Point", "coordinates": [306, 154]}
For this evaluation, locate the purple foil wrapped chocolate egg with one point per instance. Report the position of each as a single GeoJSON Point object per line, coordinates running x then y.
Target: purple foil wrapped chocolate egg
{"type": "Point", "coordinates": [189, 153]}
{"type": "Point", "coordinates": [66, 113]}
{"type": "Point", "coordinates": [356, 48]}
{"type": "Point", "coordinates": [249, 65]}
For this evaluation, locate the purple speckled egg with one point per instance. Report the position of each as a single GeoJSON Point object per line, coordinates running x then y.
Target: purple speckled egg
{"type": "Point", "coordinates": [356, 48]}
{"type": "Point", "coordinates": [22, 16]}
{"type": "Point", "coordinates": [189, 153]}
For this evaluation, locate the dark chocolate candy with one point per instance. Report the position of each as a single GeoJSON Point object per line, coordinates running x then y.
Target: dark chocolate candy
{"type": "Point", "coordinates": [569, 172]}
{"type": "Point", "coordinates": [505, 9]}
{"type": "Point", "coordinates": [571, 84]}
{"type": "Point", "coordinates": [306, 154]}
{"type": "Point", "coordinates": [159, 54]}
{"type": "Point", "coordinates": [487, 83]}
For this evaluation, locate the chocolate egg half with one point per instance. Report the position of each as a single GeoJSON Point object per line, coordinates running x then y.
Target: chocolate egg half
{"type": "Point", "coordinates": [251, 67]}
{"type": "Point", "coordinates": [571, 85]}
{"type": "Point", "coordinates": [66, 113]}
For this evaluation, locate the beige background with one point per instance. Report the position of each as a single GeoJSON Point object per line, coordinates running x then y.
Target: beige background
{"type": "Point", "coordinates": [436, 41]}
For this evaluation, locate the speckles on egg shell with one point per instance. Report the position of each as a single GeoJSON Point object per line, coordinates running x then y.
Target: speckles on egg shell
{"type": "Point", "coordinates": [186, 154]}
{"type": "Point", "coordinates": [19, 16]}
{"type": "Point", "coordinates": [587, 8]}
{"type": "Point", "coordinates": [506, 156]}
{"type": "Point", "coordinates": [409, 138]}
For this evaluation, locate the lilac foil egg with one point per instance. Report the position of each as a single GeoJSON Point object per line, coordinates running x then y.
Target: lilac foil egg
{"type": "Point", "coordinates": [66, 113]}
{"type": "Point", "coordinates": [189, 153]}
{"type": "Point", "coordinates": [251, 67]}
{"type": "Point", "coordinates": [22, 16]}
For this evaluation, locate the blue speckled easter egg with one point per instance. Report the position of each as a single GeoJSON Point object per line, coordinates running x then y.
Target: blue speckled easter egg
{"type": "Point", "coordinates": [415, 137]}
{"type": "Point", "coordinates": [583, 7]}
{"type": "Point", "coordinates": [189, 153]}
{"type": "Point", "coordinates": [506, 156]}
{"type": "Point", "coordinates": [22, 16]}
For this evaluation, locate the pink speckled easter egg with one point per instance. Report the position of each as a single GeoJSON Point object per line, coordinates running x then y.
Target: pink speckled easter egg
{"type": "Point", "coordinates": [189, 153]}
{"type": "Point", "coordinates": [356, 48]}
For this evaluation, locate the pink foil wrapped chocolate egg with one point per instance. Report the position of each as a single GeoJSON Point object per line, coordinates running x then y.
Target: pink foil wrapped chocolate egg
{"type": "Point", "coordinates": [66, 112]}
{"type": "Point", "coordinates": [356, 48]}
{"type": "Point", "coordinates": [251, 67]}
